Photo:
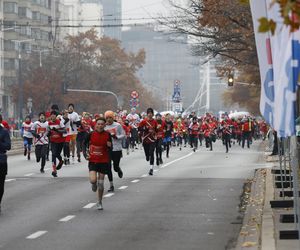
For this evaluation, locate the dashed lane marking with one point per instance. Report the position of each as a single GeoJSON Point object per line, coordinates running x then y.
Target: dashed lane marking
{"type": "Point", "coordinates": [108, 195]}
{"type": "Point", "coordinates": [67, 218]}
{"type": "Point", "coordinates": [144, 175]}
{"type": "Point", "coordinates": [30, 174]}
{"type": "Point", "coordinates": [36, 235]}
{"type": "Point", "coordinates": [90, 205]}
{"type": "Point", "coordinates": [9, 180]}
{"type": "Point", "coordinates": [156, 170]}
{"type": "Point", "coordinates": [123, 187]}
{"type": "Point", "coordinates": [46, 169]}
{"type": "Point", "coordinates": [135, 181]}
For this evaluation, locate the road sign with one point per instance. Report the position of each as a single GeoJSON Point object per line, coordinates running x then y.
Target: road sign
{"type": "Point", "coordinates": [134, 102]}
{"type": "Point", "coordinates": [134, 94]}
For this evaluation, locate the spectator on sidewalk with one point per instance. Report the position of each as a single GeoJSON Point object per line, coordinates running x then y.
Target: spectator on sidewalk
{"type": "Point", "coordinates": [5, 144]}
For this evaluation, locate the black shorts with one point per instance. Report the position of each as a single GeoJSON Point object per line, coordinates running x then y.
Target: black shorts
{"type": "Point", "coordinates": [103, 168]}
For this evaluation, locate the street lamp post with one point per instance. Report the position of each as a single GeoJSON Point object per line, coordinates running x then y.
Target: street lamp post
{"type": "Point", "coordinates": [21, 87]}
{"type": "Point", "coordinates": [40, 52]}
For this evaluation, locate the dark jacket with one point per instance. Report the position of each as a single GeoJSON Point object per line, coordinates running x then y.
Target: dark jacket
{"type": "Point", "coordinates": [5, 144]}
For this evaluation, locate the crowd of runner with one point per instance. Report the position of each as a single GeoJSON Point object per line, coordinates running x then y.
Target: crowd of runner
{"type": "Point", "coordinates": [101, 138]}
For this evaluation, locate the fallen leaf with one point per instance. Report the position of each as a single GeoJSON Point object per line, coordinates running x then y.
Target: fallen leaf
{"type": "Point", "coordinates": [249, 244]}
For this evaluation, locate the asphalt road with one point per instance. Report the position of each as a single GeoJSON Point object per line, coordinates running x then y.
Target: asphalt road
{"type": "Point", "coordinates": [191, 202]}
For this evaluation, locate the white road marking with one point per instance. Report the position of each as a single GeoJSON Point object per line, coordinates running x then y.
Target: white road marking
{"type": "Point", "coordinates": [123, 187]}
{"type": "Point", "coordinates": [135, 181]}
{"type": "Point", "coordinates": [30, 174]}
{"type": "Point", "coordinates": [108, 195]}
{"type": "Point", "coordinates": [67, 218]}
{"type": "Point", "coordinates": [179, 159]}
{"type": "Point", "coordinates": [144, 175]}
{"type": "Point", "coordinates": [36, 235]}
{"type": "Point", "coordinates": [90, 205]}
{"type": "Point", "coordinates": [9, 180]}
{"type": "Point", "coordinates": [46, 169]}
{"type": "Point", "coordinates": [210, 233]}
{"type": "Point", "coordinates": [156, 170]}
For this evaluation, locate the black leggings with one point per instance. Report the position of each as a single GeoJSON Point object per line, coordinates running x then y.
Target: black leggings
{"type": "Point", "coordinates": [116, 158]}
{"type": "Point", "coordinates": [80, 142]}
{"type": "Point", "coordinates": [67, 150]}
{"type": "Point", "coordinates": [149, 152]}
{"type": "Point", "coordinates": [158, 146]}
{"type": "Point", "coordinates": [227, 141]}
{"type": "Point", "coordinates": [194, 141]}
{"type": "Point", "coordinates": [167, 145]}
{"type": "Point", "coordinates": [208, 142]}
{"type": "Point", "coordinates": [134, 139]}
{"type": "Point", "coordinates": [41, 153]}
{"type": "Point", "coordinates": [3, 172]}
{"type": "Point", "coordinates": [56, 149]}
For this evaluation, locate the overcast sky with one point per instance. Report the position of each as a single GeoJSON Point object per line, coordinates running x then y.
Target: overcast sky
{"type": "Point", "coordinates": [142, 8]}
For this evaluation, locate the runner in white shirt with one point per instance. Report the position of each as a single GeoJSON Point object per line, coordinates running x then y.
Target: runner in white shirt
{"type": "Point", "coordinates": [134, 120]}
{"type": "Point", "coordinates": [74, 124]}
{"type": "Point", "coordinates": [67, 136]}
{"type": "Point", "coordinates": [40, 130]}
{"type": "Point", "coordinates": [27, 136]}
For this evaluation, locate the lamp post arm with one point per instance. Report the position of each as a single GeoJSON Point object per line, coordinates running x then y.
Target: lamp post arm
{"type": "Point", "coordinates": [97, 91]}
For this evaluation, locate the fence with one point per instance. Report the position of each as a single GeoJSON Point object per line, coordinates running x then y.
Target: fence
{"type": "Point", "coordinates": [286, 180]}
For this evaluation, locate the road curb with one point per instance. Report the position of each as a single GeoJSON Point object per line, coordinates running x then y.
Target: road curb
{"type": "Point", "coordinates": [250, 234]}
{"type": "Point", "coordinates": [267, 234]}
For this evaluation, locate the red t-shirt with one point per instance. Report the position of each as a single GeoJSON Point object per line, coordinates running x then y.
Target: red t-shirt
{"type": "Point", "coordinates": [55, 136]}
{"type": "Point", "coordinates": [195, 129]}
{"type": "Point", "coordinates": [160, 129]}
{"type": "Point", "coordinates": [98, 149]}
{"type": "Point", "coordinates": [149, 129]}
{"type": "Point", "coordinates": [127, 129]}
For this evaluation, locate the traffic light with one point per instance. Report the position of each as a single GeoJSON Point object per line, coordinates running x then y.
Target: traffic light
{"type": "Point", "coordinates": [230, 80]}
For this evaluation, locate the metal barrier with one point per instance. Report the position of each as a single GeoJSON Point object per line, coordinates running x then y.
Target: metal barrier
{"type": "Point", "coordinates": [15, 133]}
{"type": "Point", "coordinates": [288, 171]}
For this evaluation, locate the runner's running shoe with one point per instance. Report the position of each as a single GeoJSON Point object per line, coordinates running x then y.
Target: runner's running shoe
{"type": "Point", "coordinates": [59, 165]}
{"type": "Point", "coordinates": [99, 205]}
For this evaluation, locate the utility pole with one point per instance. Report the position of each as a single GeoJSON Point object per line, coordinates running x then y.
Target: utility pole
{"type": "Point", "coordinates": [21, 86]}
{"type": "Point", "coordinates": [207, 86]}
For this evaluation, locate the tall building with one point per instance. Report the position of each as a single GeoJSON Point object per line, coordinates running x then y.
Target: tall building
{"type": "Point", "coordinates": [112, 18]}
{"type": "Point", "coordinates": [70, 16]}
{"type": "Point", "coordinates": [167, 59]}
{"type": "Point", "coordinates": [91, 16]}
{"type": "Point", "coordinates": [27, 27]}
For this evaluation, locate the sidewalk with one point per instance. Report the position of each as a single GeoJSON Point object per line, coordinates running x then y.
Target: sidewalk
{"type": "Point", "coordinates": [261, 223]}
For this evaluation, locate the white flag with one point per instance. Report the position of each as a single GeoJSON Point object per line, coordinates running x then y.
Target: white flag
{"type": "Point", "coordinates": [286, 57]}
{"type": "Point", "coordinates": [263, 46]}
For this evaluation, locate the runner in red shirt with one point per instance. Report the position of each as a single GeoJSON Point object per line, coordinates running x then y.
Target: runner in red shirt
{"type": "Point", "coordinates": [57, 129]}
{"type": "Point", "coordinates": [159, 138]}
{"type": "Point", "coordinates": [194, 129]}
{"type": "Point", "coordinates": [148, 129]}
{"type": "Point", "coordinates": [126, 141]}
{"type": "Point", "coordinates": [97, 150]}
